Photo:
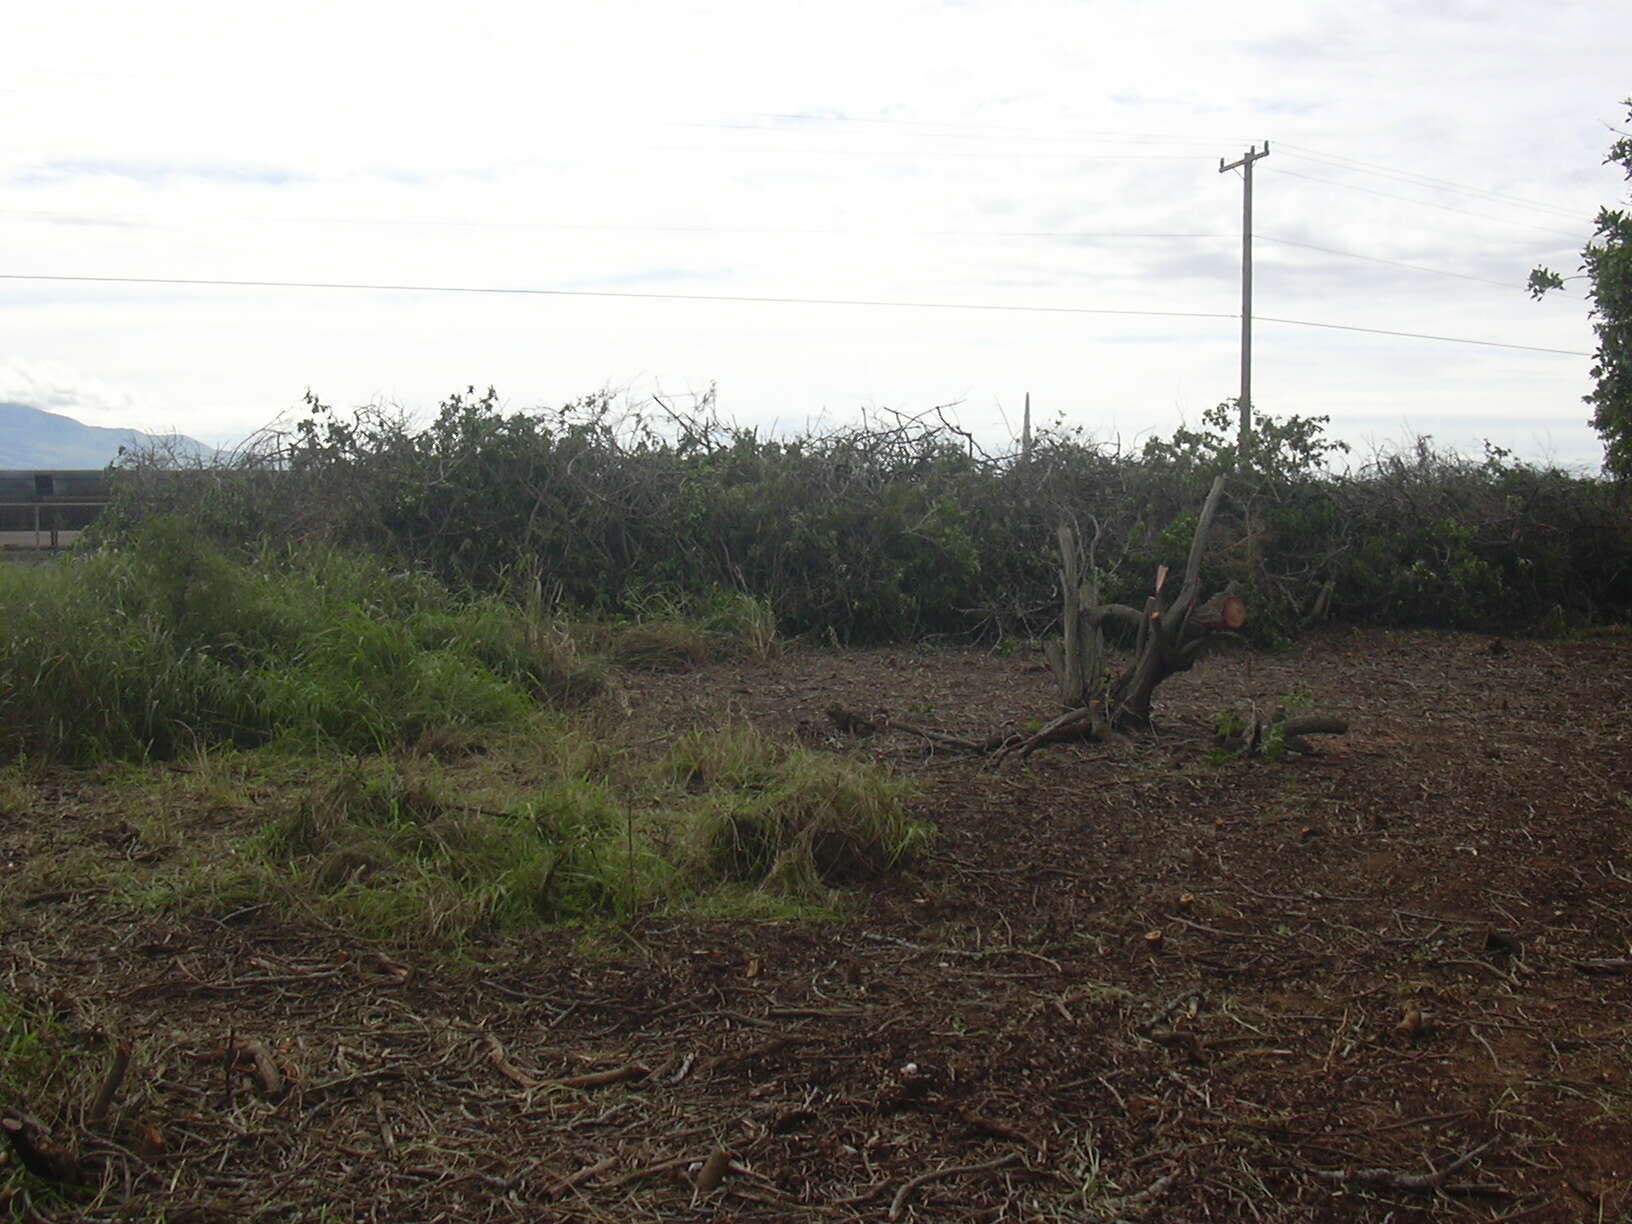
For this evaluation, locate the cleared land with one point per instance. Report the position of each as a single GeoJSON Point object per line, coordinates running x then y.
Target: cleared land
{"type": "Point", "coordinates": [1389, 982]}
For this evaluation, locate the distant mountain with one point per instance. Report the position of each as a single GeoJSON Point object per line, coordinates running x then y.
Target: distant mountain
{"type": "Point", "coordinates": [33, 439]}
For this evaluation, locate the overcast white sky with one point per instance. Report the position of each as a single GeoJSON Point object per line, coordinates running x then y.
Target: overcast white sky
{"type": "Point", "coordinates": [986, 152]}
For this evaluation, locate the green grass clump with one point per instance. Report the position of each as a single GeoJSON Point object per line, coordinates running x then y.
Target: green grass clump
{"type": "Point", "coordinates": [728, 822]}
{"type": "Point", "coordinates": [527, 827]}
{"type": "Point", "coordinates": [786, 821]}
{"type": "Point", "coordinates": [167, 643]}
{"type": "Point", "coordinates": [401, 856]}
{"type": "Point", "coordinates": [663, 633]}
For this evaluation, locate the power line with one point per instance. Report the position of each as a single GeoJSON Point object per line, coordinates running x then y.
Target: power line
{"type": "Point", "coordinates": [1354, 165]}
{"type": "Point", "coordinates": [1428, 204]}
{"type": "Point", "coordinates": [1336, 161]}
{"type": "Point", "coordinates": [1311, 246]}
{"type": "Point", "coordinates": [1438, 184]}
{"type": "Point", "coordinates": [751, 299]}
{"type": "Point", "coordinates": [608, 293]}
{"type": "Point", "coordinates": [954, 128]}
{"type": "Point", "coordinates": [762, 230]}
{"type": "Point", "coordinates": [459, 223]}
{"type": "Point", "coordinates": [1063, 155]}
{"type": "Point", "coordinates": [1382, 331]}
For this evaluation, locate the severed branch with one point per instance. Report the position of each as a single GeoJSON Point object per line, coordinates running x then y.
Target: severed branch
{"type": "Point", "coordinates": [907, 1188]}
{"type": "Point", "coordinates": [98, 1111]}
{"type": "Point", "coordinates": [255, 1059]}
{"type": "Point", "coordinates": [40, 1156]}
{"type": "Point", "coordinates": [599, 1079]}
{"type": "Point", "coordinates": [502, 1064]}
{"type": "Point", "coordinates": [1403, 1183]}
{"type": "Point", "coordinates": [1293, 730]}
{"type": "Point", "coordinates": [1254, 738]}
{"type": "Point", "coordinates": [1603, 966]}
{"type": "Point", "coordinates": [848, 722]}
{"type": "Point", "coordinates": [1084, 723]}
{"type": "Point", "coordinates": [566, 1185]}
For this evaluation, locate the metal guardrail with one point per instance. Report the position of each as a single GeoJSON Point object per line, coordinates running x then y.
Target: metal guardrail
{"type": "Point", "coordinates": [52, 528]}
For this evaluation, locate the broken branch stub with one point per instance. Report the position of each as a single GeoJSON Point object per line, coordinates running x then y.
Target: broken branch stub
{"type": "Point", "coordinates": [1165, 645]}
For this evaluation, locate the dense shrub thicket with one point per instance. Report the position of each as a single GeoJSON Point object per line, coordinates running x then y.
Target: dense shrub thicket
{"type": "Point", "coordinates": [903, 529]}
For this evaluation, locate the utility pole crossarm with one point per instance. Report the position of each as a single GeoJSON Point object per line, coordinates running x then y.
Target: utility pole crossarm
{"type": "Point", "coordinates": [1244, 164]}
{"type": "Point", "coordinates": [1252, 154]}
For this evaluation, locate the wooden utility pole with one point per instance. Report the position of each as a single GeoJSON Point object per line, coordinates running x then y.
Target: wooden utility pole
{"type": "Point", "coordinates": [1245, 164]}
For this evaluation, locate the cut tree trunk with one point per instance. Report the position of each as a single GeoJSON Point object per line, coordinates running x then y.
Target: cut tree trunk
{"type": "Point", "coordinates": [1171, 638]}
{"type": "Point", "coordinates": [1169, 642]}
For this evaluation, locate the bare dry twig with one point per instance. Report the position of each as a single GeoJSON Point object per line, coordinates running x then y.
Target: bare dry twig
{"type": "Point", "coordinates": [1404, 1183]}
{"type": "Point", "coordinates": [897, 1203]}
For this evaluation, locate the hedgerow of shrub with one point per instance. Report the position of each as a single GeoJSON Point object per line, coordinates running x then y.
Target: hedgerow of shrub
{"type": "Point", "coordinates": [901, 529]}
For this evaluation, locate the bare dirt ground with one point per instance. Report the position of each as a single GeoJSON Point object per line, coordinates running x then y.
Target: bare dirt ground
{"type": "Point", "coordinates": [1391, 982]}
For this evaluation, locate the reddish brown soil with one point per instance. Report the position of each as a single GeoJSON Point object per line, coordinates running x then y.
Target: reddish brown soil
{"type": "Point", "coordinates": [1408, 953]}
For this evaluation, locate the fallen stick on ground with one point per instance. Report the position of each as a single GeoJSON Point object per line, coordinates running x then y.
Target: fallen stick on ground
{"type": "Point", "coordinates": [572, 1181]}
{"type": "Point", "coordinates": [1603, 967]}
{"type": "Point", "coordinates": [1405, 1183]}
{"type": "Point", "coordinates": [506, 1068]}
{"type": "Point", "coordinates": [110, 1085]}
{"type": "Point", "coordinates": [897, 1203]}
{"type": "Point", "coordinates": [599, 1079]}
{"type": "Point", "coordinates": [40, 1156]}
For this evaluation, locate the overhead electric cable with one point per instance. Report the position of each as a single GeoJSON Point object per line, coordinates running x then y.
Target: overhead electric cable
{"type": "Point", "coordinates": [808, 122]}
{"type": "Point", "coordinates": [769, 230]}
{"type": "Point", "coordinates": [1383, 331]}
{"type": "Point", "coordinates": [746, 298]}
{"type": "Point", "coordinates": [1355, 165]}
{"type": "Point", "coordinates": [1062, 154]}
{"type": "Point", "coordinates": [607, 293]}
{"type": "Point", "coordinates": [1427, 204]}
{"type": "Point", "coordinates": [1396, 263]}
{"type": "Point", "coordinates": [762, 230]}
{"type": "Point", "coordinates": [1426, 180]}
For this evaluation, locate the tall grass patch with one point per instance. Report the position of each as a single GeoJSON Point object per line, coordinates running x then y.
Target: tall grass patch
{"type": "Point", "coordinates": [166, 643]}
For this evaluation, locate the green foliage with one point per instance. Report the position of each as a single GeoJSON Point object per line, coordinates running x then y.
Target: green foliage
{"type": "Point", "coordinates": [1606, 262]}
{"type": "Point", "coordinates": [166, 642]}
{"type": "Point", "coordinates": [704, 540]}
{"type": "Point", "coordinates": [1231, 731]}
{"type": "Point", "coordinates": [31, 1058]}
{"type": "Point", "coordinates": [1229, 724]}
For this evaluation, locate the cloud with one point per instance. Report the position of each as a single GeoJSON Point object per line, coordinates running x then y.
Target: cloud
{"type": "Point", "coordinates": [526, 146]}
{"type": "Point", "coordinates": [56, 387]}
{"type": "Point", "coordinates": [157, 173]}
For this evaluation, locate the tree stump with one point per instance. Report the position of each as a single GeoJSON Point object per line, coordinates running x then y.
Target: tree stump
{"type": "Point", "coordinates": [1171, 638]}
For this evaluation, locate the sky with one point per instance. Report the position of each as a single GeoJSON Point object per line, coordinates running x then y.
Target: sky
{"type": "Point", "coordinates": [923, 204]}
